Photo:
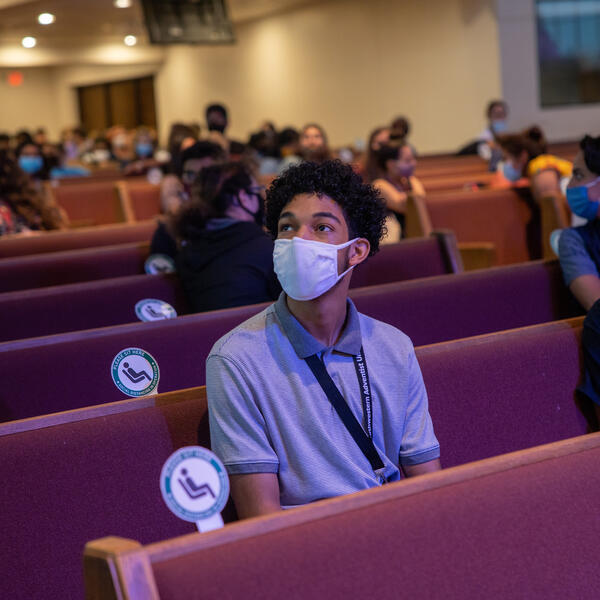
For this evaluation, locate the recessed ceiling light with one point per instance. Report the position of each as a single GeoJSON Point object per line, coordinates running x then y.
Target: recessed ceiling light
{"type": "Point", "coordinates": [28, 42]}
{"type": "Point", "coordinates": [130, 40]}
{"type": "Point", "coordinates": [46, 19]}
{"type": "Point", "coordinates": [122, 3]}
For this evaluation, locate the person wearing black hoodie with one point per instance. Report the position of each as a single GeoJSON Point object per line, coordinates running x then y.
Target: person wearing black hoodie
{"type": "Point", "coordinates": [225, 258]}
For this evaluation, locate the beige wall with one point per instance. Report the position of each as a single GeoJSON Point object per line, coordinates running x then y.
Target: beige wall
{"type": "Point", "coordinates": [350, 65]}
{"type": "Point", "coordinates": [517, 35]}
{"type": "Point", "coordinates": [33, 104]}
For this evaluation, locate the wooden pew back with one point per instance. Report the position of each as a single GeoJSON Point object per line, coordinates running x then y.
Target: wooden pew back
{"type": "Point", "coordinates": [523, 521]}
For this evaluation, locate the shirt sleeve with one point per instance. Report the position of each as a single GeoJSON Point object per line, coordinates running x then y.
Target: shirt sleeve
{"type": "Point", "coordinates": [419, 443]}
{"type": "Point", "coordinates": [237, 428]}
{"type": "Point", "coordinates": [574, 258]}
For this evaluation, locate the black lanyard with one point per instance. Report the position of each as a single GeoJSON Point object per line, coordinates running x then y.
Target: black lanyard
{"type": "Point", "coordinates": [363, 439]}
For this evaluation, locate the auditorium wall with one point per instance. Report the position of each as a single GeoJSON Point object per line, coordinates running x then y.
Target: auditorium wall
{"type": "Point", "coordinates": [518, 48]}
{"type": "Point", "coordinates": [350, 65]}
{"type": "Point", "coordinates": [31, 104]}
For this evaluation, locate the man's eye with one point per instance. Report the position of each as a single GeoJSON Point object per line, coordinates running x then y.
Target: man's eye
{"type": "Point", "coordinates": [324, 227]}
{"type": "Point", "coordinates": [285, 227]}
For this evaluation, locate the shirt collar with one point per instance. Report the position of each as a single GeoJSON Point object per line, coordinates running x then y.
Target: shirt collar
{"type": "Point", "coordinates": [305, 344]}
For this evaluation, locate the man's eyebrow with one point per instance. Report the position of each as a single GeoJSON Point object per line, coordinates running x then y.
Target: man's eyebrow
{"type": "Point", "coordinates": [289, 214]}
{"type": "Point", "coordinates": [327, 214]}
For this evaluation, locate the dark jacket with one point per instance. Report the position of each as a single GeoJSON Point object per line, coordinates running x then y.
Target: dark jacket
{"type": "Point", "coordinates": [228, 266]}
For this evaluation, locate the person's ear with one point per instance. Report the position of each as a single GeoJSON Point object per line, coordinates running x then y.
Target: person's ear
{"type": "Point", "coordinates": [359, 251]}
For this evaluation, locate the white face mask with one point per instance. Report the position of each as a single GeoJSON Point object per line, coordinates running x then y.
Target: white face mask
{"type": "Point", "coordinates": [307, 269]}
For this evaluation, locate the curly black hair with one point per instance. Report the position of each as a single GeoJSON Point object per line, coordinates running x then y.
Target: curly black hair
{"type": "Point", "coordinates": [363, 207]}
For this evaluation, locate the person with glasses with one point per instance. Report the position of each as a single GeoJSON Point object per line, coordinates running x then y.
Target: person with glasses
{"type": "Point", "coordinates": [225, 258]}
{"type": "Point", "coordinates": [175, 190]}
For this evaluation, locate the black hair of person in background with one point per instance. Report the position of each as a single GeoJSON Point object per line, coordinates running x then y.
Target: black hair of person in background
{"type": "Point", "coordinates": [225, 257]}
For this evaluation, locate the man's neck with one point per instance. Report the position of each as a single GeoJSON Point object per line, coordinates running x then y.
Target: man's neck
{"type": "Point", "coordinates": [325, 316]}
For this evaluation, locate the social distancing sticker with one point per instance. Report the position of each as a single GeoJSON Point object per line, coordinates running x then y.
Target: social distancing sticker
{"type": "Point", "coordinates": [135, 372]}
{"type": "Point", "coordinates": [159, 263]}
{"type": "Point", "coordinates": [195, 486]}
{"type": "Point", "coordinates": [151, 309]}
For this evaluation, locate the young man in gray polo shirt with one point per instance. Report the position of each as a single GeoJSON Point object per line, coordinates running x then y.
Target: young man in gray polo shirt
{"type": "Point", "coordinates": [272, 421]}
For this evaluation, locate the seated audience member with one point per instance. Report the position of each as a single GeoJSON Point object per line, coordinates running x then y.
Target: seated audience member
{"type": "Point", "coordinates": [313, 143]}
{"type": "Point", "coordinates": [145, 159]}
{"type": "Point", "coordinates": [99, 155]}
{"type": "Point", "coordinates": [75, 143]}
{"type": "Point", "coordinates": [31, 160]}
{"type": "Point", "coordinates": [121, 143]}
{"type": "Point", "coordinates": [486, 144]}
{"type": "Point", "coordinates": [23, 137]}
{"type": "Point", "coordinates": [56, 163]}
{"type": "Point", "coordinates": [225, 257]}
{"type": "Point", "coordinates": [397, 163]}
{"type": "Point", "coordinates": [4, 142]}
{"type": "Point", "coordinates": [181, 137]}
{"type": "Point", "coordinates": [40, 137]}
{"type": "Point", "coordinates": [579, 247]}
{"type": "Point", "coordinates": [271, 415]}
{"type": "Point", "coordinates": [400, 128]}
{"type": "Point", "coordinates": [22, 208]}
{"type": "Point", "coordinates": [176, 189]}
{"type": "Point", "coordinates": [380, 136]}
{"type": "Point", "coordinates": [217, 121]}
{"type": "Point", "coordinates": [488, 148]}
{"type": "Point", "coordinates": [579, 254]}
{"type": "Point", "coordinates": [265, 149]}
{"type": "Point", "coordinates": [526, 162]}
{"type": "Point", "coordinates": [289, 141]}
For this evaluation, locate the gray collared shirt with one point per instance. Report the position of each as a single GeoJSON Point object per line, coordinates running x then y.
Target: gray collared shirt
{"type": "Point", "coordinates": [268, 413]}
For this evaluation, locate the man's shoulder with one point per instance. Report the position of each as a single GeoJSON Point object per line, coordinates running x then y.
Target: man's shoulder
{"type": "Point", "coordinates": [246, 337]}
{"type": "Point", "coordinates": [384, 334]}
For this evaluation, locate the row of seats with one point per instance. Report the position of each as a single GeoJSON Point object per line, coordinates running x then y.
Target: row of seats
{"type": "Point", "coordinates": [94, 472]}
{"type": "Point", "coordinates": [104, 202]}
{"type": "Point", "coordinates": [109, 292]}
{"type": "Point", "coordinates": [404, 260]}
{"type": "Point", "coordinates": [71, 370]}
{"type": "Point", "coordinates": [506, 226]}
{"type": "Point", "coordinates": [500, 528]}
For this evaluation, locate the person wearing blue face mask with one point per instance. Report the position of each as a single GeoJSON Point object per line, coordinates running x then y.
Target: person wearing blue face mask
{"type": "Point", "coordinates": [527, 163]}
{"type": "Point", "coordinates": [144, 154]}
{"type": "Point", "coordinates": [309, 399]}
{"type": "Point", "coordinates": [30, 159]}
{"type": "Point", "coordinates": [579, 247]}
{"type": "Point", "coordinates": [579, 255]}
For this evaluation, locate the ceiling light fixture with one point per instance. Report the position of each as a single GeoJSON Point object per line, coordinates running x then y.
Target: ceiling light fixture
{"type": "Point", "coordinates": [28, 42]}
{"type": "Point", "coordinates": [46, 19]}
{"type": "Point", "coordinates": [122, 3]}
{"type": "Point", "coordinates": [130, 40]}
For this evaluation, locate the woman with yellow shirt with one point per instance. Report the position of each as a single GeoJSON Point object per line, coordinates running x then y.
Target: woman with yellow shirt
{"type": "Point", "coordinates": [526, 162]}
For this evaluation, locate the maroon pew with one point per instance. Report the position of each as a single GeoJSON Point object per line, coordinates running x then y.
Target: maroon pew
{"type": "Point", "coordinates": [89, 237]}
{"type": "Point", "coordinates": [89, 305]}
{"type": "Point", "coordinates": [487, 395]}
{"type": "Point", "coordinates": [405, 260]}
{"type": "Point", "coordinates": [516, 526]}
{"type": "Point", "coordinates": [75, 366]}
{"type": "Point", "coordinates": [72, 266]}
